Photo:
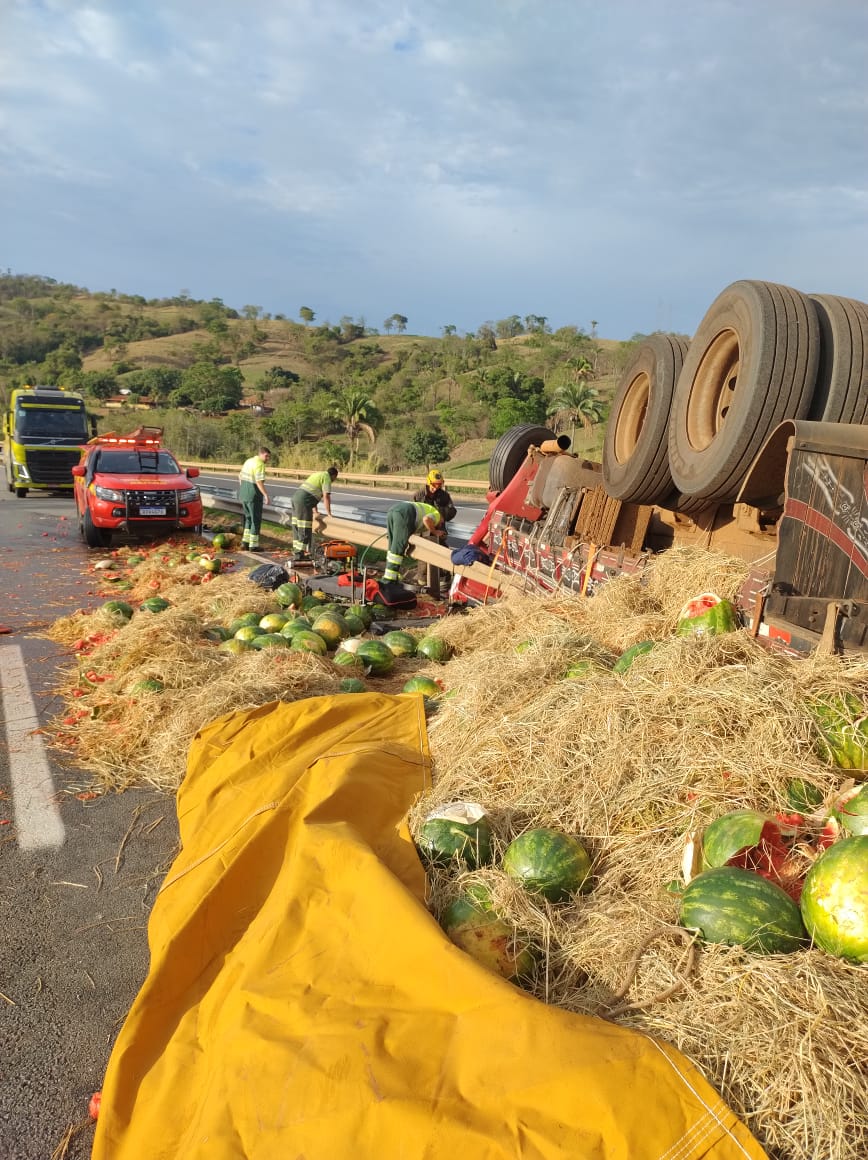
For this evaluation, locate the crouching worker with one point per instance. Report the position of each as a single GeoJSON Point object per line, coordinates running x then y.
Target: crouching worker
{"type": "Point", "coordinates": [404, 520]}
{"type": "Point", "coordinates": [304, 503]}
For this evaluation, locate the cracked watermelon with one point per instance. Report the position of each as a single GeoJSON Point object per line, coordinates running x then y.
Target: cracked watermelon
{"type": "Point", "coordinates": [548, 862]}
{"type": "Point", "coordinates": [835, 900]}
{"type": "Point", "coordinates": [472, 925]}
{"type": "Point", "coordinates": [739, 908]}
{"type": "Point", "coordinates": [852, 812]}
{"type": "Point", "coordinates": [459, 830]}
{"type": "Point", "coordinates": [707, 615]}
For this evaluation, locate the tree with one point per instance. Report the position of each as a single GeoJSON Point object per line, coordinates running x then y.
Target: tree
{"type": "Point", "coordinates": [306, 315]}
{"type": "Point", "coordinates": [251, 313]}
{"type": "Point", "coordinates": [212, 388]}
{"type": "Point", "coordinates": [578, 403]}
{"type": "Point", "coordinates": [449, 330]}
{"type": "Point", "coordinates": [509, 327]}
{"type": "Point", "coordinates": [426, 447]}
{"type": "Point", "coordinates": [352, 407]}
{"type": "Point", "coordinates": [397, 322]}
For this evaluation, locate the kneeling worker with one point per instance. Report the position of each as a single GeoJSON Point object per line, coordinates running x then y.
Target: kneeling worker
{"type": "Point", "coordinates": [304, 502]}
{"type": "Point", "coordinates": [404, 520]}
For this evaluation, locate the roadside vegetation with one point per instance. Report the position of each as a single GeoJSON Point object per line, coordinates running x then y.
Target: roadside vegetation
{"type": "Point", "coordinates": [220, 380]}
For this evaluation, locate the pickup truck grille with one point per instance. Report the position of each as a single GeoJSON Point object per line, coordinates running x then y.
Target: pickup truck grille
{"type": "Point", "coordinates": [52, 467]}
{"type": "Point", "coordinates": [136, 500]}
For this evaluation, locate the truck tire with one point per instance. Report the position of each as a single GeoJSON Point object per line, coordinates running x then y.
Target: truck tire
{"type": "Point", "coordinates": [840, 394]}
{"type": "Point", "coordinates": [510, 451]}
{"type": "Point", "coordinates": [20, 492]}
{"type": "Point", "coordinates": [752, 363]}
{"type": "Point", "coordinates": [635, 452]}
{"type": "Point", "coordinates": [93, 536]}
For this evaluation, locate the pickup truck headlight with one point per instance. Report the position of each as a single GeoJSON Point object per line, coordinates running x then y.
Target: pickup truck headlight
{"type": "Point", "coordinates": [109, 493]}
{"type": "Point", "coordinates": [189, 495]}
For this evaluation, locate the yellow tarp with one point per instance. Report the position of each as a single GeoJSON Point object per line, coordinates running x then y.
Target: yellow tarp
{"type": "Point", "coordinates": [302, 1004]}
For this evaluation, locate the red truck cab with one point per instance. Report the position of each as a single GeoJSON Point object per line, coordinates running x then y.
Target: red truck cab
{"type": "Point", "coordinates": [131, 483]}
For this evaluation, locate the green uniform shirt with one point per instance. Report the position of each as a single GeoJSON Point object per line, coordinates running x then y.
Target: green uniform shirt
{"type": "Point", "coordinates": [318, 484]}
{"type": "Point", "coordinates": [253, 470]}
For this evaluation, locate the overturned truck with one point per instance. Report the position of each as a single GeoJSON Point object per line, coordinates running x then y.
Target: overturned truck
{"type": "Point", "coordinates": [751, 440]}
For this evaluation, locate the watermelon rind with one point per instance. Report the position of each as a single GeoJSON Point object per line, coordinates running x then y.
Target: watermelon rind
{"type": "Point", "coordinates": [835, 900]}
{"type": "Point", "coordinates": [155, 604]}
{"type": "Point", "coordinates": [376, 657]}
{"type": "Point", "coordinates": [118, 609]}
{"type": "Point", "coordinates": [842, 724]}
{"type": "Point", "coordinates": [583, 670]}
{"type": "Point", "coordinates": [625, 660]}
{"type": "Point", "coordinates": [714, 621]}
{"type": "Point", "coordinates": [726, 836]}
{"type": "Point", "coordinates": [480, 933]}
{"type": "Point", "coordinates": [458, 831]}
{"type": "Point", "coordinates": [433, 648]}
{"type": "Point", "coordinates": [739, 908]}
{"type": "Point", "coordinates": [548, 862]}
{"type": "Point", "coordinates": [852, 813]}
{"type": "Point", "coordinates": [148, 685]}
{"type": "Point", "coordinates": [803, 796]}
{"type": "Point", "coordinates": [402, 644]}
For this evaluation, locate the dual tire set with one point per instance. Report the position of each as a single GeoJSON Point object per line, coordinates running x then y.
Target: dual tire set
{"type": "Point", "coordinates": [688, 421]}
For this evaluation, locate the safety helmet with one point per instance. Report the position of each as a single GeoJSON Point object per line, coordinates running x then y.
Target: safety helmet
{"type": "Point", "coordinates": [435, 478]}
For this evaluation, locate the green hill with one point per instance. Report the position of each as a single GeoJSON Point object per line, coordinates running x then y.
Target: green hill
{"type": "Point", "coordinates": [220, 380]}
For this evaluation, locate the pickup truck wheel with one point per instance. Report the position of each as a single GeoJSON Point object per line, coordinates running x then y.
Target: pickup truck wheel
{"type": "Point", "coordinates": [839, 396]}
{"type": "Point", "coordinates": [21, 492]}
{"type": "Point", "coordinates": [510, 451]}
{"type": "Point", "coordinates": [635, 453]}
{"type": "Point", "coordinates": [94, 537]}
{"type": "Point", "coordinates": [751, 364]}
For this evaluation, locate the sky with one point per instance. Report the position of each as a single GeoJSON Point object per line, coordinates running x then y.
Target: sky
{"type": "Point", "coordinates": [616, 162]}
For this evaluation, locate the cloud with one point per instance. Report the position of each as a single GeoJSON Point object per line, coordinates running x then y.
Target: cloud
{"type": "Point", "coordinates": [568, 151]}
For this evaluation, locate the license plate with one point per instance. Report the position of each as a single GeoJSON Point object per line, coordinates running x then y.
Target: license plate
{"type": "Point", "coordinates": [152, 511]}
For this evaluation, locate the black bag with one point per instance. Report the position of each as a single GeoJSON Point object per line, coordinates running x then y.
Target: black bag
{"type": "Point", "coordinates": [269, 576]}
{"type": "Point", "coordinates": [392, 594]}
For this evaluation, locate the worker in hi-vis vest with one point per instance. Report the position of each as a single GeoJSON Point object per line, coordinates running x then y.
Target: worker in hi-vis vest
{"type": "Point", "coordinates": [404, 520]}
{"type": "Point", "coordinates": [253, 495]}
{"type": "Point", "coordinates": [304, 502]}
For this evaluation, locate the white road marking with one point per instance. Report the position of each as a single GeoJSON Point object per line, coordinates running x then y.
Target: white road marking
{"type": "Point", "coordinates": [37, 818]}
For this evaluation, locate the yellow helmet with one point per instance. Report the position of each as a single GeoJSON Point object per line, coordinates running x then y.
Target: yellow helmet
{"type": "Point", "coordinates": [434, 478]}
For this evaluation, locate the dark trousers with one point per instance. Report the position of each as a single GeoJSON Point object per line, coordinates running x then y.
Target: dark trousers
{"type": "Point", "coordinates": [252, 503]}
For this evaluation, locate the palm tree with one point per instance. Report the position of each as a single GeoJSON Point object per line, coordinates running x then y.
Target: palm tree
{"type": "Point", "coordinates": [352, 406]}
{"type": "Point", "coordinates": [578, 403]}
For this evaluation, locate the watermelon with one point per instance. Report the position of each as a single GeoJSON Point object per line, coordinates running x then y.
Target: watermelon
{"type": "Point", "coordinates": [352, 685]}
{"type": "Point", "coordinates": [835, 900]}
{"type": "Point", "coordinates": [274, 621]}
{"type": "Point", "coordinates": [474, 928]}
{"type": "Point", "coordinates": [347, 660]}
{"type": "Point", "coordinates": [332, 628]}
{"type": "Point", "coordinates": [402, 644]}
{"type": "Point", "coordinates": [352, 644]}
{"type": "Point", "coordinates": [434, 649]}
{"type": "Point", "coordinates": [133, 560]}
{"type": "Point", "coordinates": [376, 657]}
{"type": "Point", "coordinates": [843, 728]}
{"type": "Point", "coordinates": [458, 831]}
{"type": "Point", "coordinates": [363, 612]}
{"type": "Point", "coordinates": [210, 564]}
{"type": "Point", "coordinates": [249, 618]}
{"type": "Point", "coordinates": [222, 540]}
{"type": "Point", "coordinates": [736, 907]}
{"type": "Point", "coordinates": [626, 658]}
{"type": "Point", "coordinates": [355, 624]}
{"type": "Point", "coordinates": [523, 646]}
{"type": "Point", "coordinates": [270, 640]}
{"type": "Point", "coordinates": [728, 835]}
{"type": "Point", "coordinates": [307, 641]}
{"type": "Point", "coordinates": [155, 604]}
{"type": "Point", "coordinates": [803, 796]}
{"type": "Point", "coordinates": [235, 645]}
{"type": "Point", "coordinates": [582, 670]}
{"type": "Point", "coordinates": [289, 595]}
{"type": "Point", "coordinates": [248, 632]}
{"type": "Point", "coordinates": [423, 685]}
{"type": "Point", "coordinates": [548, 862]}
{"type": "Point", "coordinates": [309, 603]}
{"type": "Point", "coordinates": [215, 632]}
{"type": "Point", "coordinates": [852, 812]}
{"type": "Point", "coordinates": [118, 609]}
{"type": "Point", "coordinates": [752, 841]}
{"type": "Point", "coordinates": [150, 685]}
{"type": "Point", "coordinates": [296, 624]}
{"type": "Point", "coordinates": [707, 615]}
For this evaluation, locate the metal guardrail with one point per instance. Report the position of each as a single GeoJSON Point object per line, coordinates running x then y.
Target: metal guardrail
{"type": "Point", "coordinates": [401, 482]}
{"type": "Point", "coordinates": [279, 511]}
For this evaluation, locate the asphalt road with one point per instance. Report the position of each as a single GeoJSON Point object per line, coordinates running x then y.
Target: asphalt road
{"type": "Point", "coordinates": [77, 877]}
{"type": "Point", "coordinates": [78, 874]}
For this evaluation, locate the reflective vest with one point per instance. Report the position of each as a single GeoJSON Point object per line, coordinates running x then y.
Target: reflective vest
{"type": "Point", "coordinates": [252, 470]}
{"type": "Point", "coordinates": [318, 484]}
